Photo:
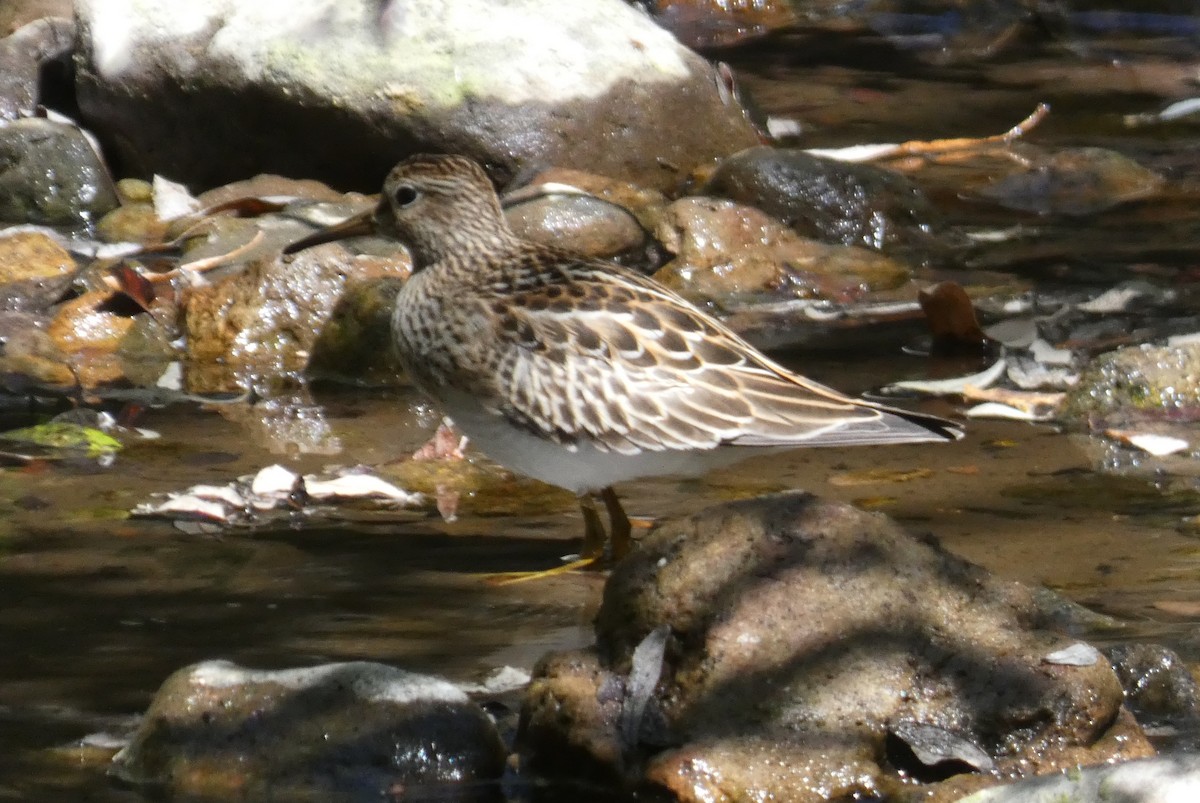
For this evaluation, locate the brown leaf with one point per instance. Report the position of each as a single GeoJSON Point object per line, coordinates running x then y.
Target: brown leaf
{"type": "Point", "coordinates": [134, 285]}
{"type": "Point", "coordinates": [952, 321]}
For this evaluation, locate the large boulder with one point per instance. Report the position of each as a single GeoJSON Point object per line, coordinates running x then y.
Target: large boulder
{"type": "Point", "coordinates": [788, 648]}
{"type": "Point", "coordinates": [340, 90]}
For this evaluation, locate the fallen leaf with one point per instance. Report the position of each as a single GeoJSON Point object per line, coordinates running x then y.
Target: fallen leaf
{"type": "Point", "coordinates": [1149, 442]}
{"type": "Point", "coordinates": [951, 318]}
{"type": "Point", "coordinates": [875, 476]}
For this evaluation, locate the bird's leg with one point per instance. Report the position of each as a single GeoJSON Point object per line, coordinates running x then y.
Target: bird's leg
{"type": "Point", "coordinates": [620, 529]}
{"type": "Point", "coordinates": [594, 537]}
{"type": "Point", "coordinates": [593, 528]}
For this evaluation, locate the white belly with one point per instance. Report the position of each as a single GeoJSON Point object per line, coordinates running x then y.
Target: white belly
{"type": "Point", "coordinates": [587, 469]}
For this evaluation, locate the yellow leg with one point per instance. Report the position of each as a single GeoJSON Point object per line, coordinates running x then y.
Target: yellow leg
{"type": "Point", "coordinates": [593, 549]}
{"type": "Point", "coordinates": [594, 538]}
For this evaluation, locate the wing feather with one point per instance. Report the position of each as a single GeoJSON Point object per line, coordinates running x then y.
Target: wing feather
{"type": "Point", "coordinates": [629, 366]}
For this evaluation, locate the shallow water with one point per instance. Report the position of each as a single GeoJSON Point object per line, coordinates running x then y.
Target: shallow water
{"type": "Point", "coordinates": [96, 610]}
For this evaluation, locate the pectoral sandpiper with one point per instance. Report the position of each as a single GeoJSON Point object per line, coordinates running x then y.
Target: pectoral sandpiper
{"type": "Point", "coordinates": [582, 373]}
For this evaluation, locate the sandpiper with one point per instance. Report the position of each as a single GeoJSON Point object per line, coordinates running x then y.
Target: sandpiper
{"type": "Point", "coordinates": [579, 372]}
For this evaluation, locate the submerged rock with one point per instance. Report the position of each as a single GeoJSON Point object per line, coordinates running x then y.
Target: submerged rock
{"type": "Point", "coordinates": [352, 732]}
{"type": "Point", "coordinates": [802, 636]}
{"type": "Point", "coordinates": [1138, 383]}
{"type": "Point", "coordinates": [520, 86]}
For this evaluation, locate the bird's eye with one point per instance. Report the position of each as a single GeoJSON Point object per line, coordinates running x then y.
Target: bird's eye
{"type": "Point", "coordinates": [405, 195]}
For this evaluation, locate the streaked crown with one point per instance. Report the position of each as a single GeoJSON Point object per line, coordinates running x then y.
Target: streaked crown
{"type": "Point", "coordinates": [441, 207]}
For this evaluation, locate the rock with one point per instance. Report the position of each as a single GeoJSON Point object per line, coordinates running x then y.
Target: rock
{"type": "Point", "coordinates": [832, 201]}
{"type": "Point", "coordinates": [354, 732]}
{"type": "Point", "coordinates": [582, 223]}
{"type": "Point", "coordinates": [644, 204]}
{"type": "Point", "coordinates": [1075, 181]}
{"type": "Point", "coordinates": [51, 174]}
{"type": "Point", "coordinates": [802, 633]}
{"type": "Point", "coordinates": [266, 185]}
{"type": "Point", "coordinates": [1154, 780]}
{"type": "Point", "coordinates": [229, 90]}
{"type": "Point", "coordinates": [34, 61]}
{"type": "Point", "coordinates": [132, 223]}
{"type": "Point", "coordinates": [1158, 685]}
{"type": "Point", "coordinates": [37, 272]}
{"type": "Point", "coordinates": [726, 252]}
{"type": "Point", "coordinates": [1135, 384]}
{"type": "Point", "coordinates": [264, 320]}
{"type": "Point", "coordinates": [15, 14]}
{"type": "Point", "coordinates": [34, 271]}
{"type": "Point", "coordinates": [30, 354]}
{"type": "Point", "coordinates": [89, 335]}
{"type": "Point", "coordinates": [720, 23]}
{"type": "Point", "coordinates": [355, 345]}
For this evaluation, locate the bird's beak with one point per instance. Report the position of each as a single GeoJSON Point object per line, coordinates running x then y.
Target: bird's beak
{"type": "Point", "coordinates": [359, 225]}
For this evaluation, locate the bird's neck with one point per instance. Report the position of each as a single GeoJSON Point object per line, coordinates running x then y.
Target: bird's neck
{"type": "Point", "coordinates": [461, 246]}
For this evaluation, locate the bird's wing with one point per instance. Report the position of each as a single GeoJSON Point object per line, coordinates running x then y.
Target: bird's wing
{"type": "Point", "coordinates": [609, 357]}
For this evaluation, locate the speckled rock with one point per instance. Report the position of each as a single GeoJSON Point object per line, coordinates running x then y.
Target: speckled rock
{"type": "Point", "coordinates": [26, 255]}
{"type": "Point", "coordinates": [219, 90]}
{"type": "Point", "coordinates": [89, 335]}
{"type": "Point", "coordinates": [800, 634]}
{"type": "Point", "coordinates": [50, 174]}
{"type": "Point", "coordinates": [1137, 383]}
{"type": "Point", "coordinates": [348, 732]}
{"type": "Point", "coordinates": [832, 201]}
{"type": "Point", "coordinates": [728, 252]}
{"type": "Point", "coordinates": [263, 321]}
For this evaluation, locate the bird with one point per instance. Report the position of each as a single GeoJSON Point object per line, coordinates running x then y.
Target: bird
{"type": "Point", "coordinates": [579, 372]}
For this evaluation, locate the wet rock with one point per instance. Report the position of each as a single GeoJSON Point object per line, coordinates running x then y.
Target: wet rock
{"type": "Point", "coordinates": [644, 204]}
{"type": "Point", "coordinates": [264, 320]}
{"type": "Point", "coordinates": [353, 732]}
{"type": "Point", "coordinates": [1158, 685]}
{"type": "Point", "coordinates": [356, 344]}
{"type": "Point", "coordinates": [832, 201]}
{"type": "Point", "coordinates": [948, 32]}
{"type": "Point", "coordinates": [31, 57]}
{"type": "Point", "coordinates": [132, 223]}
{"type": "Point", "coordinates": [725, 250]}
{"type": "Point", "coordinates": [30, 355]}
{"type": "Point", "coordinates": [1078, 181]}
{"type": "Point", "coordinates": [1153, 780]}
{"type": "Point", "coordinates": [89, 335]}
{"type": "Point", "coordinates": [50, 174]}
{"type": "Point", "coordinates": [1138, 383]}
{"type": "Point", "coordinates": [581, 223]}
{"type": "Point", "coordinates": [801, 632]}
{"type": "Point", "coordinates": [34, 270]}
{"type": "Point", "coordinates": [226, 91]}
{"type": "Point", "coordinates": [266, 185]}
{"type": "Point", "coordinates": [720, 23]}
